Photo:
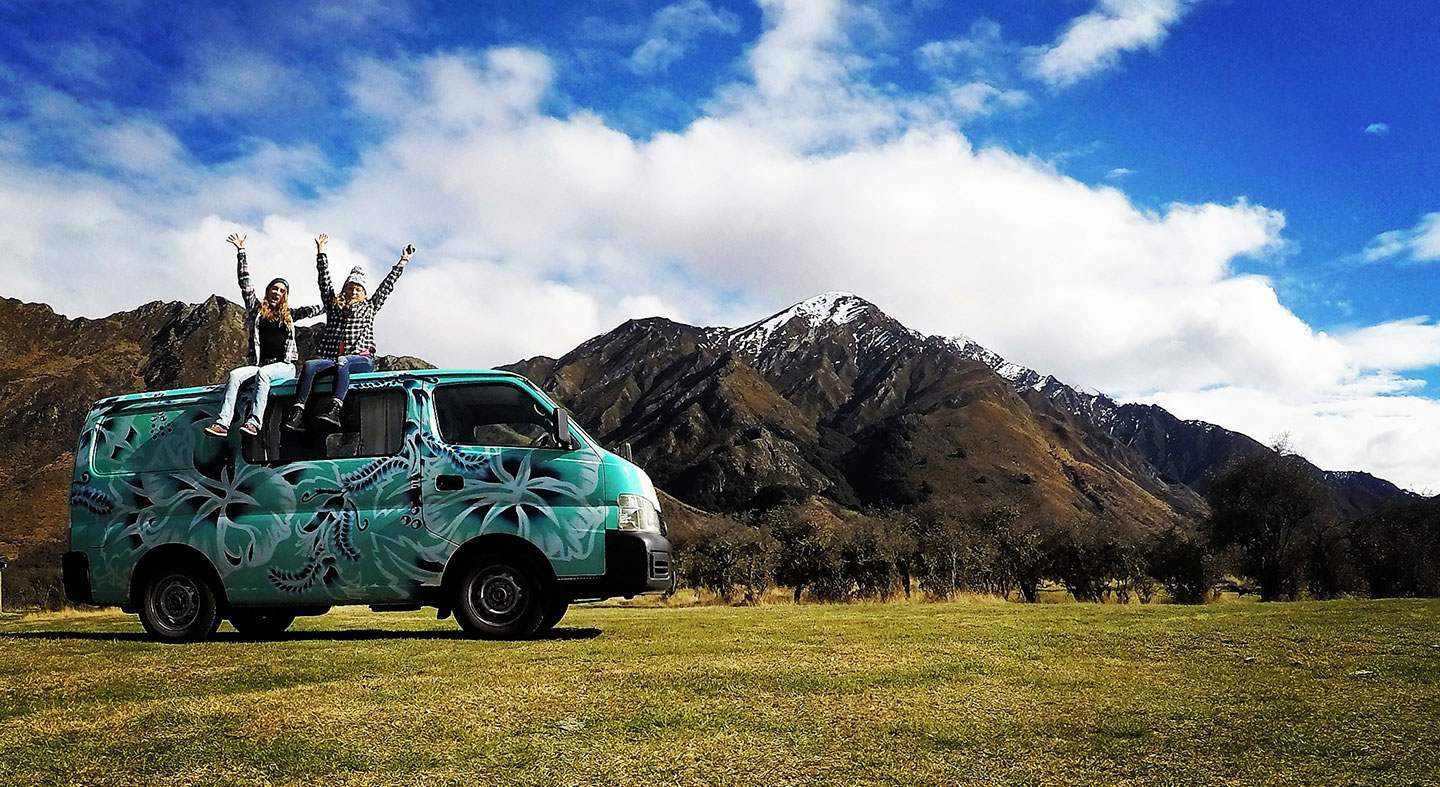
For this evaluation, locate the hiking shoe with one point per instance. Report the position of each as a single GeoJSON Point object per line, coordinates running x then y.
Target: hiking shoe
{"type": "Point", "coordinates": [295, 422]}
{"type": "Point", "coordinates": [332, 415]}
{"type": "Point", "coordinates": [251, 428]}
{"type": "Point", "coordinates": [217, 430]}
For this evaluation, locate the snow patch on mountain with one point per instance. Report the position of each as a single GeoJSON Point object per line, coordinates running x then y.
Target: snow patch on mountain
{"type": "Point", "coordinates": [804, 321]}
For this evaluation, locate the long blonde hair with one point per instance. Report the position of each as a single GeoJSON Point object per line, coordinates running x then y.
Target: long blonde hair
{"type": "Point", "coordinates": [280, 312]}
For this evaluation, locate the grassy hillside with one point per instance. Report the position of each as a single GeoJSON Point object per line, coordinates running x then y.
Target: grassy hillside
{"type": "Point", "coordinates": [952, 694]}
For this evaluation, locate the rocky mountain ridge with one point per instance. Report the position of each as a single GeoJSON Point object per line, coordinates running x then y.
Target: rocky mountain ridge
{"type": "Point", "coordinates": [1187, 452]}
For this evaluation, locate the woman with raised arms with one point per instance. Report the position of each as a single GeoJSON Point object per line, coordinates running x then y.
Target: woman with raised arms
{"type": "Point", "coordinates": [347, 344]}
{"type": "Point", "coordinates": [272, 354]}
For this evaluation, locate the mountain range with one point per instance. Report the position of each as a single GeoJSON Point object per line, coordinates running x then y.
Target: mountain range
{"type": "Point", "coordinates": [830, 398]}
{"type": "Point", "coordinates": [833, 397]}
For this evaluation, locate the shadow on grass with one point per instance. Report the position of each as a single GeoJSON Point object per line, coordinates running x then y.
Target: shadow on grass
{"type": "Point", "coordinates": [346, 635]}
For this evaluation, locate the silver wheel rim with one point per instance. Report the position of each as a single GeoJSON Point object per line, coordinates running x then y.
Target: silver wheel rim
{"type": "Point", "coordinates": [499, 596]}
{"type": "Point", "coordinates": [176, 602]}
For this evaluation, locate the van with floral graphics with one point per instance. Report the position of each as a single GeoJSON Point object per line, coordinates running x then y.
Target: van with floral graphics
{"type": "Point", "coordinates": [469, 491]}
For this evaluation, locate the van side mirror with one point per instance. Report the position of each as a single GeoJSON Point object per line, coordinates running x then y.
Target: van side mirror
{"type": "Point", "coordinates": [627, 452]}
{"type": "Point", "coordinates": [561, 426]}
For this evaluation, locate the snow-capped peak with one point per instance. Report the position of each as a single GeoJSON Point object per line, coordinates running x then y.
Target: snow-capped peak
{"type": "Point", "coordinates": [834, 307]}
{"type": "Point", "coordinates": [830, 308]}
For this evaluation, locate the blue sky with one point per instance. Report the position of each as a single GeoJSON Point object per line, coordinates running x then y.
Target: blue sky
{"type": "Point", "coordinates": [1225, 207]}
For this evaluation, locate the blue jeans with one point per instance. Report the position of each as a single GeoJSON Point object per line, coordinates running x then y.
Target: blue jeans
{"type": "Point", "coordinates": [264, 376]}
{"type": "Point", "coordinates": [344, 366]}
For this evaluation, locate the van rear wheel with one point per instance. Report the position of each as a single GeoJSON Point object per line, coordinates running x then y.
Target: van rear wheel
{"type": "Point", "coordinates": [555, 609]}
{"type": "Point", "coordinates": [500, 598]}
{"type": "Point", "coordinates": [178, 606]}
{"type": "Point", "coordinates": [260, 623]}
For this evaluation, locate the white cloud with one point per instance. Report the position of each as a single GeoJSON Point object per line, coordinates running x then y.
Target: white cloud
{"type": "Point", "coordinates": [84, 60]}
{"type": "Point", "coordinates": [1119, 173]}
{"type": "Point", "coordinates": [1395, 437]}
{"type": "Point", "coordinates": [984, 44]}
{"type": "Point", "coordinates": [1377, 129]}
{"type": "Point", "coordinates": [674, 29]}
{"type": "Point", "coordinates": [979, 98]}
{"type": "Point", "coordinates": [1095, 41]}
{"type": "Point", "coordinates": [975, 73]}
{"type": "Point", "coordinates": [792, 55]}
{"type": "Point", "coordinates": [228, 82]}
{"type": "Point", "coordinates": [1394, 346]}
{"type": "Point", "coordinates": [1420, 243]}
{"type": "Point", "coordinates": [140, 146]}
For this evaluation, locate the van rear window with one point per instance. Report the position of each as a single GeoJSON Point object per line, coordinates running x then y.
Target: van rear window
{"type": "Point", "coordinates": [155, 439]}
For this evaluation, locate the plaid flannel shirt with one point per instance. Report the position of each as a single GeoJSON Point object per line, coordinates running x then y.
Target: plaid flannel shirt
{"type": "Point", "coordinates": [252, 315]}
{"type": "Point", "coordinates": [351, 331]}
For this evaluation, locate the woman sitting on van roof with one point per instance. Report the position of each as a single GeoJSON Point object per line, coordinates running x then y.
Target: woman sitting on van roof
{"type": "Point", "coordinates": [348, 342]}
{"type": "Point", "coordinates": [272, 352]}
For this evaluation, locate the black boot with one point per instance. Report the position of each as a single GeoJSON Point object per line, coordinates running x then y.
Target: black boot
{"type": "Point", "coordinates": [295, 422]}
{"type": "Point", "coordinates": [332, 415]}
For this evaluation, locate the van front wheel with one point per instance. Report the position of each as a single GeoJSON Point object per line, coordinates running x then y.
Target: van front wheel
{"type": "Point", "coordinates": [177, 606]}
{"type": "Point", "coordinates": [500, 599]}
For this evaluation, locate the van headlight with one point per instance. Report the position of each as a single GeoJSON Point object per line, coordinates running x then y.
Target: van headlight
{"type": "Point", "coordinates": [637, 513]}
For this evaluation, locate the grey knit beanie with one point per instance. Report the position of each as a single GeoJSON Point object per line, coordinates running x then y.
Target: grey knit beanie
{"type": "Point", "coordinates": [357, 276]}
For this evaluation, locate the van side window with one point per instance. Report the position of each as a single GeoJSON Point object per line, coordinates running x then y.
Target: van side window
{"type": "Point", "coordinates": [157, 438]}
{"type": "Point", "coordinates": [491, 414]}
{"type": "Point", "coordinates": [371, 424]}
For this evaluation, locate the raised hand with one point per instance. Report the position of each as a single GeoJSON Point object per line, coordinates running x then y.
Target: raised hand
{"type": "Point", "coordinates": [320, 242]}
{"type": "Point", "coordinates": [405, 255]}
{"type": "Point", "coordinates": [237, 240]}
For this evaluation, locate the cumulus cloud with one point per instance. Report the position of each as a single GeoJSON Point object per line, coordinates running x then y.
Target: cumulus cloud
{"type": "Point", "coordinates": [1364, 427]}
{"type": "Point", "coordinates": [675, 28]}
{"type": "Point", "coordinates": [1377, 129]}
{"type": "Point", "coordinates": [140, 146]}
{"type": "Point", "coordinates": [1094, 42]}
{"type": "Point", "coordinates": [1399, 345]}
{"type": "Point", "coordinates": [1420, 243]}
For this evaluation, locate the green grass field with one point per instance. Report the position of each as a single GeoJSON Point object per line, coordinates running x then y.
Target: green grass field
{"type": "Point", "coordinates": [902, 694]}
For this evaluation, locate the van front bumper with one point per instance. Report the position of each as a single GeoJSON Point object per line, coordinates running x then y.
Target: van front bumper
{"type": "Point", "coordinates": [636, 563]}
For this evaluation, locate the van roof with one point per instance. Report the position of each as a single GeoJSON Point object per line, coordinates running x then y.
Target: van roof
{"type": "Point", "coordinates": [433, 375]}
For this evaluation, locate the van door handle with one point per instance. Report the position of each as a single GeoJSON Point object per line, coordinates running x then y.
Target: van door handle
{"type": "Point", "coordinates": [449, 483]}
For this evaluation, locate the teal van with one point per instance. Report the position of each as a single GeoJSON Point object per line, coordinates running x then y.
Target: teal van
{"type": "Point", "coordinates": [468, 491]}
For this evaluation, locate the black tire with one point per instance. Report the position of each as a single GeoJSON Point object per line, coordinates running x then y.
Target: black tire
{"type": "Point", "coordinates": [500, 598]}
{"type": "Point", "coordinates": [178, 605]}
{"type": "Point", "coordinates": [260, 623]}
{"type": "Point", "coordinates": [555, 609]}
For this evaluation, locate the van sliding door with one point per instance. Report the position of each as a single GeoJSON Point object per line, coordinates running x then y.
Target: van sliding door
{"type": "Point", "coordinates": [353, 492]}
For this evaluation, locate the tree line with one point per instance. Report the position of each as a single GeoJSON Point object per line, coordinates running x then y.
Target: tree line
{"type": "Point", "coordinates": [1271, 531]}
